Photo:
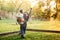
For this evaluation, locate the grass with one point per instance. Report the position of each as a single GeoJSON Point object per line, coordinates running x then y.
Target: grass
{"type": "Point", "coordinates": [10, 25]}
{"type": "Point", "coordinates": [32, 36]}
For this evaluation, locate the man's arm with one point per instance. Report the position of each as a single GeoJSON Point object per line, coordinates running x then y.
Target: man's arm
{"type": "Point", "coordinates": [30, 11]}
{"type": "Point", "coordinates": [28, 14]}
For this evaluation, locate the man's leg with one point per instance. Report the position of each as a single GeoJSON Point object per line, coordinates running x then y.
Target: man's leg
{"type": "Point", "coordinates": [25, 27]}
{"type": "Point", "coordinates": [22, 30]}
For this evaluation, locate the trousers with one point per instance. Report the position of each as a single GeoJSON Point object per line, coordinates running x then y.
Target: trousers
{"type": "Point", "coordinates": [23, 28]}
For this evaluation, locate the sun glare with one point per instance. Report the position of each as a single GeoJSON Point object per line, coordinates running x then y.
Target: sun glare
{"type": "Point", "coordinates": [7, 0]}
{"type": "Point", "coordinates": [33, 2]}
{"type": "Point", "coordinates": [52, 3]}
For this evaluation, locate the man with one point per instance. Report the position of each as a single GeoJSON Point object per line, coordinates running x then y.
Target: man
{"type": "Point", "coordinates": [22, 20]}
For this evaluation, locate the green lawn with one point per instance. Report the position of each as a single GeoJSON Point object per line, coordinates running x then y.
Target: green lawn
{"type": "Point", "coordinates": [32, 36]}
{"type": "Point", "coordinates": [10, 25]}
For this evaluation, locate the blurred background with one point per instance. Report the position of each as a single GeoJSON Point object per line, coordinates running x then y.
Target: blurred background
{"type": "Point", "coordinates": [42, 9]}
{"type": "Point", "coordinates": [45, 14]}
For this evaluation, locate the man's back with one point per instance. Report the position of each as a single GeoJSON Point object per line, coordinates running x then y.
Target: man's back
{"type": "Point", "coordinates": [20, 18]}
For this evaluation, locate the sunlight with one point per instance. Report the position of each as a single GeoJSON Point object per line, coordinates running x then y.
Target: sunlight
{"type": "Point", "coordinates": [53, 4]}
{"type": "Point", "coordinates": [33, 2]}
{"type": "Point", "coordinates": [20, 1]}
{"type": "Point", "coordinates": [44, 1]}
{"type": "Point", "coordinates": [7, 0]}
